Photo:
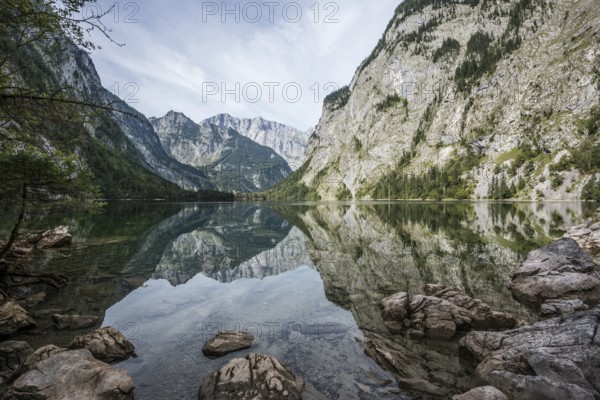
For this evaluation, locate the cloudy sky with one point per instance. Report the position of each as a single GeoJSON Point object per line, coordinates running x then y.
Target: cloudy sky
{"type": "Point", "coordinates": [272, 59]}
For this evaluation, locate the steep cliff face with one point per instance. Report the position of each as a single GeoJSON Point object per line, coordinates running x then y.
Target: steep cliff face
{"type": "Point", "coordinates": [467, 99]}
{"type": "Point", "coordinates": [288, 142]}
{"type": "Point", "coordinates": [233, 162]}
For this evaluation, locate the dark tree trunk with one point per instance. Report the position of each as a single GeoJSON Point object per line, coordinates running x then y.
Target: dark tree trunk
{"type": "Point", "coordinates": [15, 231]}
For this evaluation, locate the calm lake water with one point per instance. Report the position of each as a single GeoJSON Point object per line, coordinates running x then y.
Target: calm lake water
{"type": "Point", "coordinates": [304, 278]}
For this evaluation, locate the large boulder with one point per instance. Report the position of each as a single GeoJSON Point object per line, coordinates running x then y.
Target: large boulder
{"type": "Point", "coordinates": [256, 377]}
{"type": "Point", "coordinates": [430, 375]}
{"type": "Point", "coordinates": [74, 322]}
{"type": "Point", "coordinates": [12, 357]}
{"type": "Point", "coordinates": [554, 359]}
{"type": "Point", "coordinates": [74, 375]}
{"type": "Point", "coordinates": [441, 314]}
{"type": "Point", "coordinates": [13, 318]}
{"type": "Point", "coordinates": [227, 342]}
{"type": "Point", "coordinates": [41, 354]}
{"type": "Point", "coordinates": [106, 344]}
{"type": "Point", "coordinates": [559, 271]}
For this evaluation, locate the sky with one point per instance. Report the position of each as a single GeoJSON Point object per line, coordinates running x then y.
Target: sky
{"type": "Point", "coordinates": [274, 59]}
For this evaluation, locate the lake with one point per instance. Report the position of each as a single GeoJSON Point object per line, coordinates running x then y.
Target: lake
{"type": "Point", "coordinates": [304, 278]}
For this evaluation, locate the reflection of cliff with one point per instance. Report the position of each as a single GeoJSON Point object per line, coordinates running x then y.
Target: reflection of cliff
{"type": "Point", "coordinates": [232, 243]}
{"type": "Point", "coordinates": [365, 253]}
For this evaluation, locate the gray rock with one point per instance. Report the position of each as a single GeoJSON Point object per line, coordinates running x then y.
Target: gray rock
{"type": "Point", "coordinates": [12, 356]}
{"type": "Point", "coordinates": [74, 321]}
{"type": "Point", "coordinates": [587, 236]}
{"type": "Point", "coordinates": [227, 342]}
{"type": "Point", "coordinates": [32, 300]}
{"type": "Point", "coordinates": [441, 314]}
{"type": "Point", "coordinates": [55, 238]}
{"type": "Point", "coordinates": [13, 318]}
{"type": "Point", "coordinates": [554, 359]}
{"type": "Point", "coordinates": [256, 377]}
{"type": "Point", "coordinates": [554, 308]}
{"type": "Point", "coordinates": [106, 344]}
{"type": "Point", "coordinates": [394, 311]}
{"type": "Point", "coordinates": [559, 271]}
{"type": "Point", "coordinates": [74, 375]}
{"type": "Point", "coordinates": [482, 393]}
{"type": "Point", "coordinates": [41, 354]}
{"type": "Point", "coordinates": [413, 372]}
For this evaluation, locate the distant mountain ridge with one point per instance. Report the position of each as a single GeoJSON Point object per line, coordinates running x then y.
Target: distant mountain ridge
{"type": "Point", "coordinates": [232, 162]}
{"type": "Point", "coordinates": [290, 143]}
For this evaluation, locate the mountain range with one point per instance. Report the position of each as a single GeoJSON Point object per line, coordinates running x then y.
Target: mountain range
{"type": "Point", "coordinates": [463, 99]}
{"type": "Point", "coordinates": [232, 162]}
{"type": "Point", "coordinates": [127, 156]}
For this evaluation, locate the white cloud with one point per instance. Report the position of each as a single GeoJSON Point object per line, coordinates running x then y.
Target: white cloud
{"type": "Point", "coordinates": [171, 54]}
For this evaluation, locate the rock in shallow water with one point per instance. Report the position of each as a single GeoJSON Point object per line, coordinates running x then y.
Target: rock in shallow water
{"type": "Point", "coordinates": [74, 321]}
{"type": "Point", "coordinates": [555, 359]}
{"type": "Point", "coordinates": [13, 318]}
{"type": "Point", "coordinates": [55, 238]}
{"type": "Point", "coordinates": [227, 342]}
{"type": "Point", "coordinates": [12, 356]}
{"type": "Point", "coordinates": [74, 375]}
{"type": "Point", "coordinates": [429, 374]}
{"type": "Point", "coordinates": [106, 344]}
{"type": "Point", "coordinates": [559, 271]}
{"type": "Point", "coordinates": [441, 314]}
{"type": "Point", "coordinates": [256, 377]}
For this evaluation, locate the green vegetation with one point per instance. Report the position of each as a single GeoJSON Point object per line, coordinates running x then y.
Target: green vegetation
{"type": "Point", "coordinates": [356, 144]}
{"type": "Point", "coordinates": [591, 191]}
{"type": "Point", "coordinates": [483, 52]}
{"type": "Point", "coordinates": [499, 189]}
{"type": "Point", "coordinates": [480, 58]}
{"type": "Point", "coordinates": [343, 193]}
{"type": "Point", "coordinates": [392, 100]}
{"type": "Point", "coordinates": [424, 125]}
{"type": "Point", "coordinates": [338, 99]}
{"type": "Point", "coordinates": [438, 183]}
{"type": "Point", "coordinates": [449, 46]}
{"type": "Point", "coordinates": [291, 188]}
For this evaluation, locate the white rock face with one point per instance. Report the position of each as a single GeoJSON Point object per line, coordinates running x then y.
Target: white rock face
{"type": "Point", "coordinates": [288, 142]}
{"type": "Point", "coordinates": [535, 97]}
{"type": "Point", "coordinates": [234, 163]}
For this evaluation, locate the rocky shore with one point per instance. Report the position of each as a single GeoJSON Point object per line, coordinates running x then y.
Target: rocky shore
{"type": "Point", "coordinates": [81, 371]}
{"type": "Point", "coordinates": [555, 358]}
